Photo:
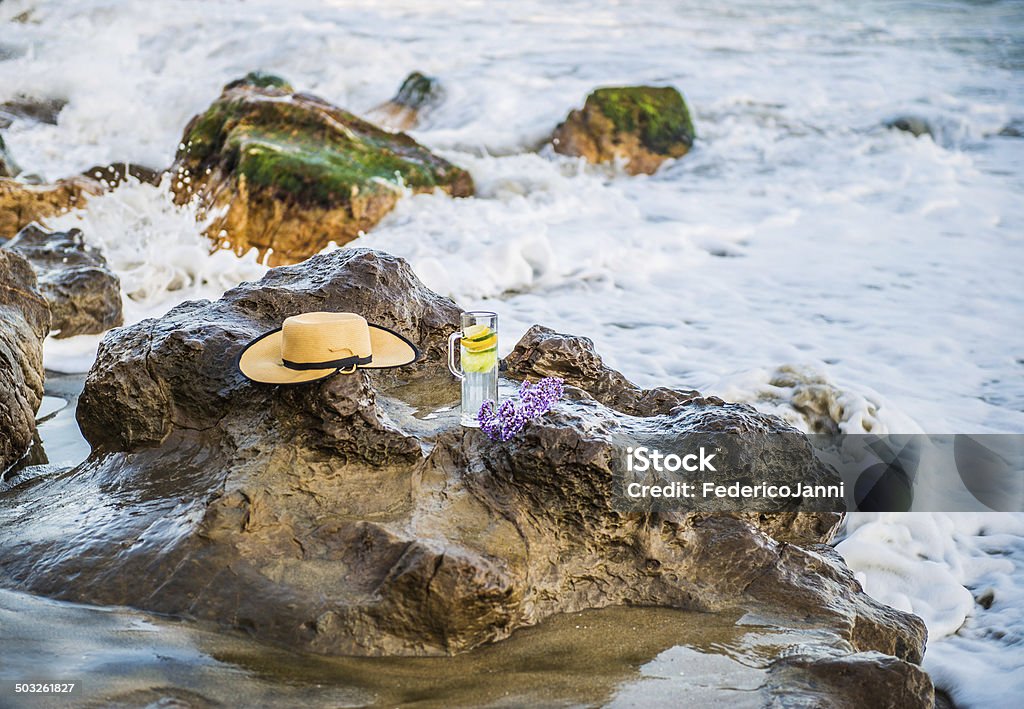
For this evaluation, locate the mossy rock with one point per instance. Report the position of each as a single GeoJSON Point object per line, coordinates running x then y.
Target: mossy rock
{"type": "Point", "coordinates": [659, 116]}
{"type": "Point", "coordinates": [419, 90]}
{"type": "Point", "coordinates": [641, 125]}
{"type": "Point", "coordinates": [417, 95]}
{"type": "Point", "coordinates": [261, 80]}
{"type": "Point", "coordinates": [295, 172]}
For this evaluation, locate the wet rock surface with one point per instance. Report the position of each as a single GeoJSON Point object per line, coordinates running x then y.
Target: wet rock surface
{"type": "Point", "coordinates": [417, 95]}
{"type": "Point", "coordinates": [848, 681]}
{"type": "Point", "coordinates": [294, 173]}
{"type": "Point", "coordinates": [354, 516]}
{"type": "Point", "coordinates": [31, 108]}
{"type": "Point", "coordinates": [24, 321]}
{"type": "Point", "coordinates": [542, 352]}
{"type": "Point", "coordinates": [641, 125]}
{"type": "Point", "coordinates": [767, 447]}
{"type": "Point", "coordinates": [138, 393]}
{"type": "Point", "coordinates": [83, 294]}
{"type": "Point", "coordinates": [113, 175]}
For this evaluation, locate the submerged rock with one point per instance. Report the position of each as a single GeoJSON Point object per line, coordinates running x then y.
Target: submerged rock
{"type": "Point", "coordinates": [24, 321]}
{"type": "Point", "coordinates": [355, 516]}
{"type": "Point", "coordinates": [31, 108]}
{"type": "Point", "coordinates": [417, 95]}
{"type": "Point", "coordinates": [83, 294]}
{"type": "Point", "coordinates": [110, 176]}
{"type": "Point", "coordinates": [641, 125]}
{"type": "Point", "coordinates": [8, 168]}
{"type": "Point", "coordinates": [847, 681]}
{"type": "Point", "coordinates": [21, 204]}
{"type": "Point", "coordinates": [1013, 129]}
{"type": "Point", "coordinates": [294, 173]}
{"type": "Point", "coordinates": [915, 125]}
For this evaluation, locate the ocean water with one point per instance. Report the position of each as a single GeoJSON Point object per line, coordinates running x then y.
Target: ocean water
{"type": "Point", "coordinates": [803, 257]}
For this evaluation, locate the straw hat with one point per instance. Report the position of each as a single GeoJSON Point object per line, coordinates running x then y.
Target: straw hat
{"type": "Point", "coordinates": [312, 346]}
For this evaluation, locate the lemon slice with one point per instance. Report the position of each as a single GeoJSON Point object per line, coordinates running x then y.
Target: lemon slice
{"type": "Point", "coordinates": [481, 345]}
{"type": "Point", "coordinates": [476, 332]}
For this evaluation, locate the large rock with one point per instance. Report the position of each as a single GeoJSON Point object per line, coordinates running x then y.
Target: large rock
{"type": "Point", "coordinates": [84, 295]}
{"type": "Point", "coordinates": [640, 125]}
{"type": "Point", "coordinates": [416, 96]}
{"type": "Point", "coordinates": [354, 515]}
{"type": "Point", "coordinates": [294, 173]}
{"type": "Point", "coordinates": [21, 204]}
{"type": "Point", "coordinates": [24, 321]}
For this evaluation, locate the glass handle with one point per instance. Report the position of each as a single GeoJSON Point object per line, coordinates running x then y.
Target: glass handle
{"type": "Point", "coordinates": [453, 344]}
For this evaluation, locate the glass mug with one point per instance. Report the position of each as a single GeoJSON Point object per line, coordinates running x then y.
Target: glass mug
{"type": "Point", "coordinates": [478, 352]}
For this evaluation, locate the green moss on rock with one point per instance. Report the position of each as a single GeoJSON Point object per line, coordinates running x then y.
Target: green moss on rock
{"type": "Point", "coordinates": [204, 134]}
{"type": "Point", "coordinates": [657, 115]}
{"type": "Point", "coordinates": [418, 90]}
{"type": "Point", "coordinates": [308, 151]}
{"type": "Point", "coordinates": [262, 80]}
{"type": "Point", "coordinates": [289, 173]}
{"type": "Point", "coordinates": [304, 170]}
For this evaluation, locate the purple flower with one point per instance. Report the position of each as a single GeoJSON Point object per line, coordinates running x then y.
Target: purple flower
{"type": "Point", "coordinates": [509, 419]}
{"type": "Point", "coordinates": [489, 422]}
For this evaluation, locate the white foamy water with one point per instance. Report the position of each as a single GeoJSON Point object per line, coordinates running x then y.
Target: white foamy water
{"type": "Point", "coordinates": [802, 257]}
{"type": "Point", "coordinates": [962, 574]}
{"type": "Point", "coordinates": [160, 255]}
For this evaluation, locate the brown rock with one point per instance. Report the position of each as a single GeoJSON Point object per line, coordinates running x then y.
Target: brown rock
{"type": "Point", "coordinates": [24, 321]}
{"type": "Point", "coordinates": [83, 294]}
{"type": "Point", "coordinates": [113, 175]}
{"type": "Point", "coordinates": [642, 125]}
{"type": "Point", "coordinates": [22, 204]}
{"type": "Point", "coordinates": [294, 173]}
{"type": "Point", "coordinates": [545, 353]}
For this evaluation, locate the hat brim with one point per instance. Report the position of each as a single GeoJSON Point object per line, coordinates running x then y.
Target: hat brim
{"type": "Point", "coordinates": [260, 360]}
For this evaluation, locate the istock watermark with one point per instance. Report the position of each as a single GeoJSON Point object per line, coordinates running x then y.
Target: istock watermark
{"type": "Point", "coordinates": [765, 471]}
{"type": "Point", "coordinates": [643, 459]}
